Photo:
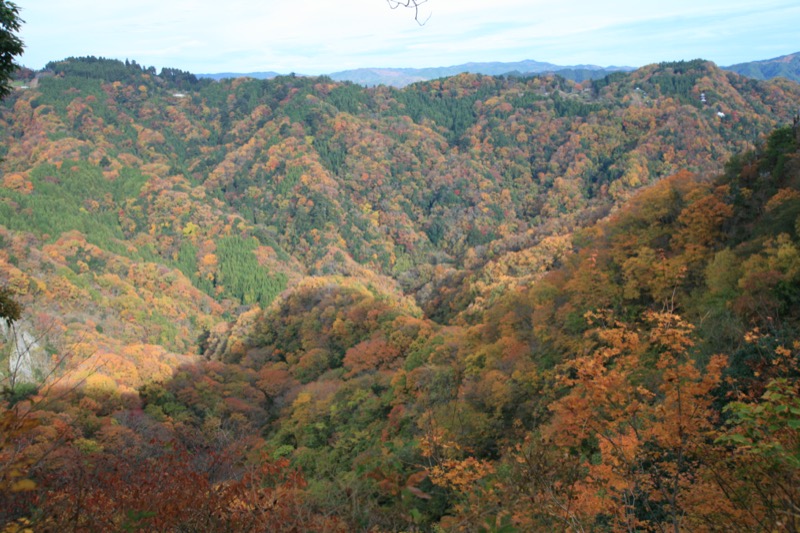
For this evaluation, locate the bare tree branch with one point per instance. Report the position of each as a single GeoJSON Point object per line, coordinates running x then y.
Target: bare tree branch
{"type": "Point", "coordinates": [410, 4]}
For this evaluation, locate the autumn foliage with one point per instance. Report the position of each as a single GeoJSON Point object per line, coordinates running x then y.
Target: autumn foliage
{"type": "Point", "coordinates": [474, 304]}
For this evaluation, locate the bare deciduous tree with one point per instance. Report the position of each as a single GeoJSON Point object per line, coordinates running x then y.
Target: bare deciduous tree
{"type": "Point", "coordinates": [410, 4]}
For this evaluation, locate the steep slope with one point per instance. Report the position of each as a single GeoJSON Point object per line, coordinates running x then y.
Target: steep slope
{"type": "Point", "coordinates": [521, 305]}
{"type": "Point", "coordinates": [446, 424]}
{"type": "Point", "coordinates": [658, 363]}
{"type": "Point", "coordinates": [459, 189]}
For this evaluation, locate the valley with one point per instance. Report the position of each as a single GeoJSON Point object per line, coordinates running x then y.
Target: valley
{"type": "Point", "coordinates": [475, 303]}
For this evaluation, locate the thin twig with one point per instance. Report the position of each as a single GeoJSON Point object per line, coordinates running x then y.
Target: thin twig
{"type": "Point", "coordinates": [410, 4]}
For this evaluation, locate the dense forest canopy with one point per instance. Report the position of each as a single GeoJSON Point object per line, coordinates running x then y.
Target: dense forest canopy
{"type": "Point", "coordinates": [475, 303]}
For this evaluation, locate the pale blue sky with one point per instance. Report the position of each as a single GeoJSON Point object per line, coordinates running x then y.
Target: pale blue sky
{"type": "Point", "coordinates": [316, 36]}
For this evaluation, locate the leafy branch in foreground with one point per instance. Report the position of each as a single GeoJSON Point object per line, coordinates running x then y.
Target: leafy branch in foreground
{"type": "Point", "coordinates": [10, 44]}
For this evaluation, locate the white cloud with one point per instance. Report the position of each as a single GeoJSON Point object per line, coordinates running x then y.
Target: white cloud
{"type": "Point", "coordinates": [314, 36]}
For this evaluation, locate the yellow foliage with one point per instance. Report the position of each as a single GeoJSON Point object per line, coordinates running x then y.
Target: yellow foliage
{"type": "Point", "coordinates": [20, 525]}
{"type": "Point", "coordinates": [783, 195]}
{"type": "Point", "coordinates": [460, 475]}
{"type": "Point", "coordinates": [17, 182]}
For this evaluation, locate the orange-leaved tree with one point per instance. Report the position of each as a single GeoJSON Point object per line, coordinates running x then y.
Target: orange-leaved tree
{"type": "Point", "coordinates": [638, 418]}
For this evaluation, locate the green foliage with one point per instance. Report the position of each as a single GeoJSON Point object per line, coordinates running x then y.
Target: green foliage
{"type": "Point", "coordinates": [62, 201]}
{"type": "Point", "coordinates": [10, 309]}
{"type": "Point", "coordinates": [506, 208]}
{"type": "Point", "coordinates": [19, 393]}
{"type": "Point", "coordinates": [785, 67]}
{"type": "Point", "coordinates": [91, 67]}
{"type": "Point", "coordinates": [241, 274]}
{"type": "Point", "coordinates": [765, 428]}
{"type": "Point", "coordinates": [568, 107]}
{"type": "Point", "coordinates": [187, 263]}
{"type": "Point", "coordinates": [454, 113]}
{"type": "Point", "coordinates": [348, 98]}
{"type": "Point", "coordinates": [180, 79]}
{"type": "Point", "coordinates": [611, 79]}
{"type": "Point", "coordinates": [60, 92]}
{"type": "Point", "coordinates": [781, 143]}
{"type": "Point", "coordinates": [11, 45]}
{"type": "Point", "coordinates": [754, 180]}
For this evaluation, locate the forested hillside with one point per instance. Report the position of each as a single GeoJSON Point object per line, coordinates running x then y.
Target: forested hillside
{"type": "Point", "coordinates": [476, 303]}
{"type": "Point", "coordinates": [787, 66]}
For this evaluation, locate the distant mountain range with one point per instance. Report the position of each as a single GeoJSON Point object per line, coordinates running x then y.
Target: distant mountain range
{"type": "Point", "coordinates": [303, 305]}
{"type": "Point", "coordinates": [787, 66]}
{"type": "Point", "coordinates": [228, 75]}
{"type": "Point", "coordinates": [400, 77]}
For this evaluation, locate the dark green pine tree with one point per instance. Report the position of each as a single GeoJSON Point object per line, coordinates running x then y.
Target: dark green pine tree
{"type": "Point", "coordinates": [10, 44]}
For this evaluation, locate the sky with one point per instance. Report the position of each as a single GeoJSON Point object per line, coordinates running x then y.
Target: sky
{"type": "Point", "coordinates": [324, 36]}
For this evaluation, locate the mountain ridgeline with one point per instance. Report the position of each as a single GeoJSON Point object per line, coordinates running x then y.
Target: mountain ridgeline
{"type": "Point", "coordinates": [400, 77]}
{"type": "Point", "coordinates": [787, 66]}
{"type": "Point", "coordinates": [474, 303]}
{"type": "Point", "coordinates": [449, 192]}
